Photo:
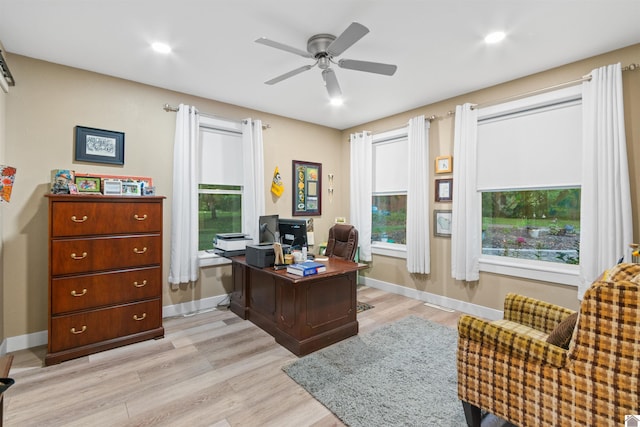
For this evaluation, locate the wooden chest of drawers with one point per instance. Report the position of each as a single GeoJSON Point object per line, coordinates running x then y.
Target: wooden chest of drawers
{"type": "Point", "coordinates": [105, 273]}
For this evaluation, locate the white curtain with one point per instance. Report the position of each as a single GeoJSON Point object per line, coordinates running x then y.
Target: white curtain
{"type": "Point", "coordinates": [418, 246]}
{"type": "Point", "coordinates": [253, 203]}
{"type": "Point", "coordinates": [361, 190]}
{"type": "Point", "coordinates": [466, 218]}
{"type": "Point", "coordinates": [606, 226]}
{"type": "Point", "coordinates": [183, 264]}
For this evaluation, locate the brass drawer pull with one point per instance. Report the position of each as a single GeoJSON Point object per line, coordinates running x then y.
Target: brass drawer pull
{"type": "Point", "coordinates": [140, 218]}
{"type": "Point", "coordinates": [135, 317]}
{"type": "Point", "coordinates": [83, 256]}
{"type": "Point", "coordinates": [136, 250]}
{"type": "Point", "coordinates": [73, 330]}
{"type": "Point", "coordinates": [75, 218]}
{"type": "Point", "coordinates": [75, 294]}
{"type": "Point", "coordinates": [139, 285]}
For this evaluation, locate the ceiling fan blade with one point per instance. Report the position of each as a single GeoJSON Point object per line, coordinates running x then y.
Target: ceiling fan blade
{"type": "Point", "coordinates": [289, 74]}
{"type": "Point", "coordinates": [369, 67]}
{"type": "Point", "coordinates": [352, 34]}
{"type": "Point", "coordinates": [267, 42]}
{"type": "Point", "coordinates": [331, 82]}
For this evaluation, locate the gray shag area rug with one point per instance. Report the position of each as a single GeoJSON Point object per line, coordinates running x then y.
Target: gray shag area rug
{"type": "Point", "coordinates": [401, 374]}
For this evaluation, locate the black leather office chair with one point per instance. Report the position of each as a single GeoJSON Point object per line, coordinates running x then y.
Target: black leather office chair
{"type": "Point", "coordinates": [342, 242]}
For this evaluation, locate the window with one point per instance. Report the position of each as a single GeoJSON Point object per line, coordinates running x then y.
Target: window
{"type": "Point", "coordinates": [220, 180]}
{"type": "Point", "coordinates": [389, 202]}
{"type": "Point", "coordinates": [529, 175]}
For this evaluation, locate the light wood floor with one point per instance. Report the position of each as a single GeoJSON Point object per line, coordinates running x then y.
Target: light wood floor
{"type": "Point", "coordinates": [211, 369]}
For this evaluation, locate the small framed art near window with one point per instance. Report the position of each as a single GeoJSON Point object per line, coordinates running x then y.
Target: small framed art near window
{"type": "Point", "coordinates": [444, 190]}
{"type": "Point", "coordinates": [444, 164]}
{"type": "Point", "coordinates": [442, 223]}
{"type": "Point", "coordinates": [99, 146]}
{"type": "Point", "coordinates": [307, 192]}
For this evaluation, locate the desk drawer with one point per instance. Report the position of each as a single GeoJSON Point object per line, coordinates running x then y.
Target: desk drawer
{"type": "Point", "coordinates": [84, 218]}
{"type": "Point", "coordinates": [75, 330]}
{"type": "Point", "coordinates": [99, 290]}
{"type": "Point", "coordinates": [70, 256]}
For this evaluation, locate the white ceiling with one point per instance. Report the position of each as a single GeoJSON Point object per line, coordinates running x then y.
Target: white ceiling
{"type": "Point", "coordinates": [436, 44]}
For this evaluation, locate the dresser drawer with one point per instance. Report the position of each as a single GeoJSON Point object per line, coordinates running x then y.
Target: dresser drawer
{"type": "Point", "coordinates": [75, 330]}
{"type": "Point", "coordinates": [70, 256]}
{"type": "Point", "coordinates": [85, 218]}
{"type": "Point", "coordinates": [98, 290]}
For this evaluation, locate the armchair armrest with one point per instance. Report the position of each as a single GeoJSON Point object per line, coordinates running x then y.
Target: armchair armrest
{"type": "Point", "coordinates": [511, 343]}
{"type": "Point", "coordinates": [534, 313]}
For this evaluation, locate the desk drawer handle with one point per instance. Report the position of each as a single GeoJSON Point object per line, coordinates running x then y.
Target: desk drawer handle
{"type": "Point", "coordinates": [140, 218]}
{"type": "Point", "coordinates": [73, 330]}
{"type": "Point", "coordinates": [136, 250]}
{"type": "Point", "coordinates": [83, 256]}
{"type": "Point", "coordinates": [76, 294]}
{"type": "Point", "coordinates": [135, 317]}
{"type": "Point", "coordinates": [140, 285]}
{"type": "Point", "coordinates": [75, 219]}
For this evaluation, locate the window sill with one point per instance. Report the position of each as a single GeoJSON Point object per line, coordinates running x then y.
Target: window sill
{"type": "Point", "coordinates": [388, 249]}
{"type": "Point", "coordinates": [207, 259]}
{"type": "Point", "coordinates": [530, 269]}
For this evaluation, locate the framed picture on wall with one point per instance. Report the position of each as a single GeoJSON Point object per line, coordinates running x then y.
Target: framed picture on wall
{"type": "Point", "coordinates": [99, 146]}
{"type": "Point", "coordinates": [307, 188]}
{"type": "Point", "coordinates": [444, 190]}
{"type": "Point", "coordinates": [442, 223]}
{"type": "Point", "coordinates": [444, 164]}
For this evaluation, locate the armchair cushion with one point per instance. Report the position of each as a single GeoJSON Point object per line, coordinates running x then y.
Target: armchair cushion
{"type": "Point", "coordinates": [561, 335]}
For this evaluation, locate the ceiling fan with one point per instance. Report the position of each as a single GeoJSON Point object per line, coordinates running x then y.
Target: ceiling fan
{"type": "Point", "coordinates": [324, 48]}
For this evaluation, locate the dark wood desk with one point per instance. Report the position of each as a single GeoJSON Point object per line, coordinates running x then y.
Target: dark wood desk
{"type": "Point", "coordinates": [303, 314]}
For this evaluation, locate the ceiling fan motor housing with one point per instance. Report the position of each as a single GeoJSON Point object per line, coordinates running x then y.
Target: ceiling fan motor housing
{"type": "Point", "coordinates": [317, 46]}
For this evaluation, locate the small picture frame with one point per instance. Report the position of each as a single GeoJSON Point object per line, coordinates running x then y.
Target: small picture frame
{"type": "Point", "coordinates": [148, 191]}
{"type": "Point", "coordinates": [444, 164]}
{"type": "Point", "coordinates": [442, 223]}
{"type": "Point", "coordinates": [99, 146]}
{"type": "Point", "coordinates": [444, 190]}
{"type": "Point", "coordinates": [112, 187]}
{"type": "Point", "coordinates": [88, 184]}
{"type": "Point", "coordinates": [131, 188]}
{"type": "Point", "coordinates": [73, 188]}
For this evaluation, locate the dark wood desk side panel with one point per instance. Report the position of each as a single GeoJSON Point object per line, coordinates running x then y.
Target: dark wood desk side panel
{"type": "Point", "coordinates": [238, 300]}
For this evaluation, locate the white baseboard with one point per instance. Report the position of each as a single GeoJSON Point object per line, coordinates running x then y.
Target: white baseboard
{"type": "Point", "coordinates": [454, 304]}
{"type": "Point", "coordinates": [36, 339]}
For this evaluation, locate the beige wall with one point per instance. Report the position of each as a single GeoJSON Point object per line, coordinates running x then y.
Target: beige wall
{"type": "Point", "coordinates": [49, 100]}
{"type": "Point", "coordinates": [43, 108]}
{"type": "Point", "coordinates": [491, 288]}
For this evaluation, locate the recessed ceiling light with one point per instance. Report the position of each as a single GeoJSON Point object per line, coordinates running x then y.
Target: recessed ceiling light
{"type": "Point", "coordinates": [161, 47]}
{"type": "Point", "coordinates": [495, 37]}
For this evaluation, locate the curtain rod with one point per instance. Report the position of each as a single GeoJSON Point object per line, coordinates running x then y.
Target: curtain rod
{"type": "Point", "coordinates": [630, 67]}
{"type": "Point", "coordinates": [169, 108]}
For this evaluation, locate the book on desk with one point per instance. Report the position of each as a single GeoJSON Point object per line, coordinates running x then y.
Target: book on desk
{"type": "Point", "coordinates": [306, 268]}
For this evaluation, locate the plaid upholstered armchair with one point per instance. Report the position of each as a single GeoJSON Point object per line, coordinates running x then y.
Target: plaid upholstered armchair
{"type": "Point", "coordinates": [509, 369]}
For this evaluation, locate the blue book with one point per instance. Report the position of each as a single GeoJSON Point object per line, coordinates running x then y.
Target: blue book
{"type": "Point", "coordinates": [306, 268]}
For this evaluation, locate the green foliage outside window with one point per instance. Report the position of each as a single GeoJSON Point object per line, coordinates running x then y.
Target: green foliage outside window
{"type": "Point", "coordinates": [537, 224]}
{"type": "Point", "coordinates": [219, 211]}
{"type": "Point", "coordinates": [389, 219]}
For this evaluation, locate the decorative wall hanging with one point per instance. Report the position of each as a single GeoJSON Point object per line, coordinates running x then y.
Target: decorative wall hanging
{"type": "Point", "coordinates": [444, 190]}
{"type": "Point", "coordinates": [444, 164]}
{"type": "Point", "coordinates": [99, 146]}
{"type": "Point", "coordinates": [442, 223]}
{"type": "Point", "coordinates": [7, 177]}
{"type": "Point", "coordinates": [307, 196]}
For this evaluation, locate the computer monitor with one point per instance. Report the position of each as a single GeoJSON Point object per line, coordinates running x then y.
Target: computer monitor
{"type": "Point", "coordinates": [293, 232]}
{"type": "Point", "coordinates": [268, 228]}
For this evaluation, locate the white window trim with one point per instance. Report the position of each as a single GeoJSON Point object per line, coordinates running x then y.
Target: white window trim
{"type": "Point", "coordinates": [207, 258]}
{"type": "Point", "coordinates": [393, 250]}
{"type": "Point", "coordinates": [566, 274]}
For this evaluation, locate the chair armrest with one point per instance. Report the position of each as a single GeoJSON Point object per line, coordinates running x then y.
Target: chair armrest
{"type": "Point", "coordinates": [511, 343]}
{"type": "Point", "coordinates": [534, 313]}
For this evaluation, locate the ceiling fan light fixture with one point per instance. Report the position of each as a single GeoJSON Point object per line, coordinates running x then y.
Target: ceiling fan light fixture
{"type": "Point", "coordinates": [336, 101]}
{"type": "Point", "coordinates": [495, 37]}
{"type": "Point", "coordinates": [161, 47]}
